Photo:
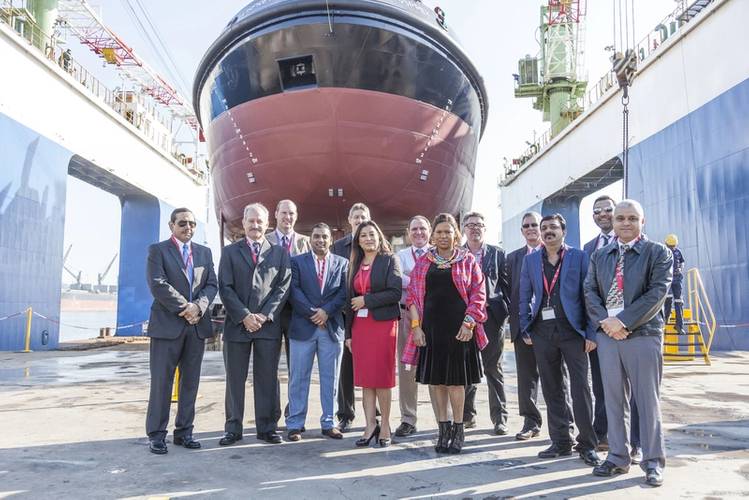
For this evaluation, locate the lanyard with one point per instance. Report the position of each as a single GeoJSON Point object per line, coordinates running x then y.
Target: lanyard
{"type": "Point", "coordinates": [320, 264]}
{"type": "Point", "coordinates": [550, 288]}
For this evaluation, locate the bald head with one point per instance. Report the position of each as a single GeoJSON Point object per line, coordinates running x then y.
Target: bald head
{"type": "Point", "coordinates": [629, 219]}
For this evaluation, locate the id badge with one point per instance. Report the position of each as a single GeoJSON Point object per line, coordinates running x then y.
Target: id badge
{"type": "Point", "coordinates": [362, 313]}
{"type": "Point", "coordinates": [614, 311]}
{"type": "Point", "coordinates": [547, 313]}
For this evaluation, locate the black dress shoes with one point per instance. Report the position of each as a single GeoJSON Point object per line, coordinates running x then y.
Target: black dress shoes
{"type": "Point", "coordinates": [405, 429]}
{"type": "Point", "coordinates": [270, 437]}
{"type": "Point", "coordinates": [294, 435]}
{"type": "Point", "coordinates": [500, 429]}
{"type": "Point", "coordinates": [653, 477]}
{"type": "Point", "coordinates": [230, 438]}
{"type": "Point", "coordinates": [344, 425]}
{"type": "Point", "coordinates": [608, 469]}
{"type": "Point", "coordinates": [590, 457]}
{"type": "Point", "coordinates": [157, 446]}
{"type": "Point", "coordinates": [187, 441]}
{"type": "Point", "coordinates": [332, 433]}
{"type": "Point", "coordinates": [469, 423]}
{"type": "Point", "coordinates": [528, 433]}
{"type": "Point", "coordinates": [556, 450]}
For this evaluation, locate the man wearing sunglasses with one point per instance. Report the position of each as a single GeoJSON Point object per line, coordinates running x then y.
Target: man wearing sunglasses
{"type": "Point", "coordinates": [183, 284]}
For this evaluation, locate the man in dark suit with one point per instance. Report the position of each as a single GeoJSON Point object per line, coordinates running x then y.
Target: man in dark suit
{"type": "Point", "coordinates": [318, 295]}
{"type": "Point", "coordinates": [603, 216]}
{"type": "Point", "coordinates": [357, 214]}
{"type": "Point", "coordinates": [492, 260]}
{"type": "Point", "coordinates": [624, 292]}
{"type": "Point", "coordinates": [183, 284]}
{"type": "Point", "coordinates": [295, 244]}
{"type": "Point", "coordinates": [525, 358]}
{"type": "Point", "coordinates": [552, 316]}
{"type": "Point", "coordinates": [254, 278]}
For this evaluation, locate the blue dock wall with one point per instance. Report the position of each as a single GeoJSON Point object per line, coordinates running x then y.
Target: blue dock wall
{"type": "Point", "coordinates": [33, 180]}
{"type": "Point", "coordinates": [693, 180]}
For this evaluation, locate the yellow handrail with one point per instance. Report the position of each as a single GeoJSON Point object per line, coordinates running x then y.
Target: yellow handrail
{"type": "Point", "coordinates": [699, 304]}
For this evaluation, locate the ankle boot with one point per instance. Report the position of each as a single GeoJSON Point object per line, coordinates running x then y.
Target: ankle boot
{"type": "Point", "coordinates": [457, 438]}
{"type": "Point", "coordinates": [443, 440]}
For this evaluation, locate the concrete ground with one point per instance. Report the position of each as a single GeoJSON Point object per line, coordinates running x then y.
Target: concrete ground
{"type": "Point", "coordinates": [72, 427]}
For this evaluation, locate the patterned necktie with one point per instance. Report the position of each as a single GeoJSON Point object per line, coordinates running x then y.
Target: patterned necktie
{"type": "Point", "coordinates": [615, 297]}
{"type": "Point", "coordinates": [187, 261]}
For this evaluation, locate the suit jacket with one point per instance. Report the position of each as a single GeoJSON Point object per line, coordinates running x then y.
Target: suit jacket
{"type": "Point", "coordinates": [300, 244]}
{"type": "Point", "coordinates": [590, 246]}
{"type": "Point", "coordinates": [513, 265]}
{"type": "Point", "coordinates": [648, 270]}
{"type": "Point", "coordinates": [246, 287]}
{"type": "Point", "coordinates": [494, 267]}
{"type": "Point", "coordinates": [383, 299]}
{"type": "Point", "coordinates": [305, 295]}
{"type": "Point", "coordinates": [571, 279]}
{"type": "Point", "coordinates": [342, 247]}
{"type": "Point", "coordinates": [170, 288]}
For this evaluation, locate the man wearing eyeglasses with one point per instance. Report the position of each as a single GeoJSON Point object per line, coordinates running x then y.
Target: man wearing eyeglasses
{"type": "Point", "coordinates": [183, 284]}
{"type": "Point", "coordinates": [603, 216]}
{"type": "Point", "coordinates": [492, 261]}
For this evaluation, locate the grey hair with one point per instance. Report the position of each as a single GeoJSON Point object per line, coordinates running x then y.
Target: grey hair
{"type": "Point", "coordinates": [533, 214]}
{"type": "Point", "coordinates": [255, 207]}
{"type": "Point", "coordinates": [634, 204]}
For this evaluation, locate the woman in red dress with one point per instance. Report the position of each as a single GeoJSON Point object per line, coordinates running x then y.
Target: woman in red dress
{"type": "Point", "coordinates": [372, 314]}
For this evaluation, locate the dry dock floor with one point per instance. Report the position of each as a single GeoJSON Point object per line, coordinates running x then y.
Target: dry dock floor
{"type": "Point", "coordinates": [71, 426]}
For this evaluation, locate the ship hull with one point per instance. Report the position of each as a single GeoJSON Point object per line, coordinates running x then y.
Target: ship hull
{"type": "Point", "coordinates": [372, 103]}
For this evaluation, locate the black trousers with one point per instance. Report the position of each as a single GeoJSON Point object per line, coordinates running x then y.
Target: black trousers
{"type": "Point", "coordinates": [555, 346]}
{"type": "Point", "coordinates": [285, 323]}
{"type": "Point", "coordinates": [346, 387]}
{"type": "Point", "coordinates": [527, 373]}
{"type": "Point", "coordinates": [491, 357]}
{"type": "Point", "coordinates": [186, 351]}
{"type": "Point", "coordinates": [265, 354]}
{"type": "Point", "coordinates": [674, 300]}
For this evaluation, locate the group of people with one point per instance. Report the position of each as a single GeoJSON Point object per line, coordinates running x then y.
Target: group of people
{"type": "Point", "coordinates": [438, 307]}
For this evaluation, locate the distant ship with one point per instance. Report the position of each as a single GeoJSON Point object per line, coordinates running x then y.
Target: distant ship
{"type": "Point", "coordinates": [331, 103]}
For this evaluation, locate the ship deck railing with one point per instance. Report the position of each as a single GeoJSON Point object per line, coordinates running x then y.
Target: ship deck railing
{"type": "Point", "coordinates": [14, 14]}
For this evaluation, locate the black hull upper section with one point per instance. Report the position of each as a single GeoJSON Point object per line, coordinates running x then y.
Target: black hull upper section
{"type": "Point", "coordinates": [392, 46]}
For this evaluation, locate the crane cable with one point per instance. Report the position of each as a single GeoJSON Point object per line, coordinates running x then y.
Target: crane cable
{"type": "Point", "coordinates": [624, 63]}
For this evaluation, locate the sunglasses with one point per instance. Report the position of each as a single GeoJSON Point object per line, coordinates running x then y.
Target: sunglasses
{"type": "Point", "coordinates": [473, 225]}
{"type": "Point", "coordinates": [530, 225]}
{"type": "Point", "coordinates": [184, 223]}
{"type": "Point", "coordinates": [608, 210]}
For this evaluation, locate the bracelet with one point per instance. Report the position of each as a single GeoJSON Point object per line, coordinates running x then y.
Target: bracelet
{"type": "Point", "coordinates": [468, 320]}
{"type": "Point", "coordinates": [415, 323]}
{"type": "Point", "coordinates": [470, 326]}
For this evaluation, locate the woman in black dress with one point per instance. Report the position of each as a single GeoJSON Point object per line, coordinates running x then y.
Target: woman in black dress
{"type": "Point", "coordinates": [446, 301]}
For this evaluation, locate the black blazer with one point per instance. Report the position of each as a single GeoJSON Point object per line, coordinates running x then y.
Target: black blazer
{"type": "Point", "coordinates": [383, 299]}
{"type": "Point", "coordinates": [513, 266]}
{"type": "Point", "coordinates": [171, 290]}
{"type": "Point", "coordinates": [342, 247]}
{"type": "Point", "coordinates": [246, 287]}
{"type": "Point", "coordinates": [497, 287]}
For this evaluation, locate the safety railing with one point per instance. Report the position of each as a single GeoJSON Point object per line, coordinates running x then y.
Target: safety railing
{"type": "Point", "coordinates": [699, 303]}
{"type": "Point", "coordinates": [648, 46]}
{"type": "Point", "coordinates": [17, 17]}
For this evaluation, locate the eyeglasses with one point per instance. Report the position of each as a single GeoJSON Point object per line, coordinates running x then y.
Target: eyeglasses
{"type": "Point", "coordinates": [530, 225]}
{"type": "Point", "coordinates": [474, 225]}
{"type": "Point", "coordinates": [608, 210]}
{"type": "Point", "coordinates": [184, 223]}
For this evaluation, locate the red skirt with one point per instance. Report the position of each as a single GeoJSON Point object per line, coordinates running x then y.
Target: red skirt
{"type": "Point", "coordinates": [373, 351]}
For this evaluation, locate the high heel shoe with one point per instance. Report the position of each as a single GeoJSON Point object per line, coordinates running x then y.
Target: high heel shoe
{"type": "Point", "coordinates": [385, 442]}
{"type": "Point", "coordinates": [443, 441]}
{"type": "Point", "coordinates": [362, 442]}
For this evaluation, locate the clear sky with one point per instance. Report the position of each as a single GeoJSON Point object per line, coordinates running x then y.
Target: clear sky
{"type": "Point", "coordinates": [495, 33]}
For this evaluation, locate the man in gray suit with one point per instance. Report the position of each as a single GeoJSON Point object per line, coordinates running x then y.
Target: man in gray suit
{"type": "Point", "coordinates": [183, 284]}
{"type": "Point", "coordinates": [254, 278]}
{"type": "Point", "coordinates": [295, 244]}
{"type": "Point", "coordinates": [625, 290]}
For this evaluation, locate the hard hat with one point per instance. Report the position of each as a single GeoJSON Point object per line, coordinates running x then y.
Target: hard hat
{"type": "Point", "coordinates": [671, 240]}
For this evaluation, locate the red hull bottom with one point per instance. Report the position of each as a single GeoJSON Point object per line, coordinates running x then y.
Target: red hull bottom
{"type": "Point", "coordinates": [327, 148]}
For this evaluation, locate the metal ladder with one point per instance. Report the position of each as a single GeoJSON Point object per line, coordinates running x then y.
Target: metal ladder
{"type": "Point", "coordinates": [699, 323]}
